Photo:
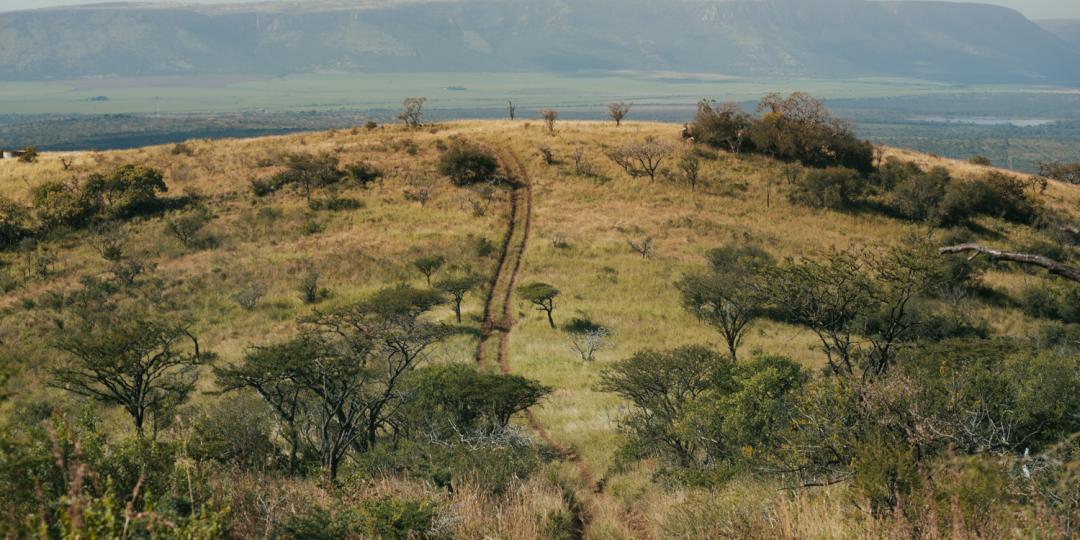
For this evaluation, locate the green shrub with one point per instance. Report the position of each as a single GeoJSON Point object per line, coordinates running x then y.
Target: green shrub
{"type": "Point", "coordinates": [58, 204]}
{"type": "Point", "coordinates": [832, 188]}
{"type": "Point", "coordinates": [14, 223]}
{"type": "Point", "coordinates": [466, 165]}
{"type": "Point", "coordinates": [235, 431]}
{"type": "Point", "coordinates": [1061, 303]}
{"type": "Point", "coordinates": [994, 195]}
{"type": "Point", "coordinates": [125, 191]}
{"type": "Point", "coordinates": [362, 173]}
{"type": "Point", "coordinates": [918, 196]}
{"type": "Point", "coordinates": [387, 518]}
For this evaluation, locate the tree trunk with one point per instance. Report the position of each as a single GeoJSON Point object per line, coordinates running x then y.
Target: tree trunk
{"type": "Point", "coordinates": [551, 320]}
{"type": "Point", "coordinates": [1052, 266]}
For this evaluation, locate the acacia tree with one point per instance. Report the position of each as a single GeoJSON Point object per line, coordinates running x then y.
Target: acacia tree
{"type": "Point", "coordinates": [542, 296]}
{"type": "Point", "coordinates": [618, 110]}
{"type": "Point", "coordinates": [338, 384]}
{"type": "Point", "coordinates": [644, 158]}
{"type": "Point", "coordinates": [412, 111]}
{"type": "Point", "coordinates": [145, 366]}
{"type": "Point", "coordinates": [429, 265]}
{"type": "Point", "coordinates": [457, 288]}
{"type": "Point", "coordinates": [729, 296]}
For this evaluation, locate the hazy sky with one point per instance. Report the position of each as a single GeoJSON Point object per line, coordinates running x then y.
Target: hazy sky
{"type": "Point", "coordinates": [1035, 9]}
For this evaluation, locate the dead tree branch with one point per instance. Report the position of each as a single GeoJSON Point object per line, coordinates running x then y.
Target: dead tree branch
{"type": "Point", "coordinates": [1052, 266]}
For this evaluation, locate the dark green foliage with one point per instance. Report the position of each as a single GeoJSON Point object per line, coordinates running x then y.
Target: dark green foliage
{"type": "Point", "coordinates": [337, 384]}
{"type": "Point", "coordinates": [187, 226]}
{"type": "Point", "coordinates": [730, 296]}
{"type": "Point", "coordinates": [455, 400]}
{"type": "Point", "coordinates": [1028, 399]}
{"type": "Point", "coordinates": [235, 431]}
{"type": "Point", "coordinates": [428, 265]}
{"type": "Point", "coordinates": [697, 408]}
{"type": "Point", "coordinates": [466, 165]}
{"type": "Point", "coordinates": [457, 288]}
{"type": "Point", "coordinates": [1060, 302]}
{"type": "Point", "coordinates": [59, 204]}
{"type": "Point", "coordinates": [833, 188]}
{"type": "Point", "coordinates": [128, 359]}
{"type": "Point", "coordinates": [126, 191]}
{"type": "Point", "coordinates": [793, 128]}
{"type": "Point", "coordinates": [542, 296]}
{"type": "Point", "coordinates": [919, 195]}
{"type": "Point", "coordinates": [308, 172]}
{"type": "Point", "coordinates": [995, 195]}
{"type": "Point", "coordinates": [308, 287]}
{"type": "Point", "coordinates": [14, 223]}
{"type": "Point", "coordinates": [362, 173]}
{"type": "Point", "coordinates": [64, 480]}
{"type": "Point", "coordinates": [722, 126]}
{"type": "Point", "coordinates": [387, 518]}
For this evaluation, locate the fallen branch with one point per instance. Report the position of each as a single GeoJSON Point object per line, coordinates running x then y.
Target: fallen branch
{"type": "Point", "coordinates": [1052, 266]}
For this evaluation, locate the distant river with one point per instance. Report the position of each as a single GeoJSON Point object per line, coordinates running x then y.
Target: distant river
{"type": "Point", "coordinates": [986, 120]}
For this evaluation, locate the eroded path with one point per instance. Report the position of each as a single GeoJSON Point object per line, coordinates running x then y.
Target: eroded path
{"type": "Point", "coordinates": [499, 321]}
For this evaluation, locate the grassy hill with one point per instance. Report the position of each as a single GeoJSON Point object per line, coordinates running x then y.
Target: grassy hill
{"type": "Point", "coordinates": [584, 213]}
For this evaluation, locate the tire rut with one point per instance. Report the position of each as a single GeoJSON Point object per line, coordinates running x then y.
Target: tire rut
{"type": "Point", "coordinates": [498, 318]}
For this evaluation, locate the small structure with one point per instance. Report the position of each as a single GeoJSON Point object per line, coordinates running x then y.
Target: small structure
{"type": "Point", "coordinates": [11, 154]}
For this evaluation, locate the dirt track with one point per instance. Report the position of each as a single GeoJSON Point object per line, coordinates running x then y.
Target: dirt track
{"type": "Point", "coordinates": [498, 315]}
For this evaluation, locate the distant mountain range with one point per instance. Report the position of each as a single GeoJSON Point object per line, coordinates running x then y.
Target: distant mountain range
{"type": "Point", "coordinates": [966, 43]}
{"type": "Point", "coordinates": [1066, 29]}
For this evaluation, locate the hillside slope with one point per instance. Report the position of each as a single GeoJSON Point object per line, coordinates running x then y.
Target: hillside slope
{"type": "Point", "coordinates": [1066, 29]}
{"type": "Point", "coordinates": [825, 38]}
{"type": "Point", "coordinates": [583, 211]}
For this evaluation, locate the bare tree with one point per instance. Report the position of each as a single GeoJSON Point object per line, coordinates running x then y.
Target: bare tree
{"type": "Point", "coordinates": [549, 116]}
{"type": "Point", "coordinates": [642, 159]}
{"type": "Point", "coordinates": [587, 338]}
{"type": "Point", "coordinates": [644, 247]}
{"type": "Point", "coordinates": [510, 108]}
{"type": "Point", "coordinates": [412, 111]}
{"type": "Point", "coordinates": [66, 163]}
{"type": "Point", "coordinates": [618, 111]}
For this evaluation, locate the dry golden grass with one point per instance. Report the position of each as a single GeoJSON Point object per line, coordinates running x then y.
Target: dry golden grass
{"type": "Point", "coordinates": [578, 244]}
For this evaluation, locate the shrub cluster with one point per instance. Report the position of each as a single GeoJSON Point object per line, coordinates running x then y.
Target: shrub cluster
{"type": "Point", "coordinates": [793, 128]}
{"type": "Point", "coordinates": [124, 192]}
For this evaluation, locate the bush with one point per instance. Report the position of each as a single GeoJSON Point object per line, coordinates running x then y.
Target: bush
{"type": "Point", "coordinates": [29, 155]}
{"type": "Point", "coordinates": [14, 223]}
{"type": "Point", "coordinates": [235, 431]}
{"type": "Point", "coordinates": [994, 195]}
{"type": "Point", "coordinates": [387, 518]}
{"type": "Point", "coordinates": [126, 191]}
{"type": "Point", "coordinates": [362, 173]}
{"type": "Point", "coordinates": [61, 205]}
{"type": "Point", "coordinates": [918, 196]}
{"type": "Point", "coordinates": [833, 188]}
{"type": "Point", "coordinates": [1060, 303]}
{"type": "Point", "coordinates": [466, 165]}
{"type": "Point", "coordinates": [187, 227]}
